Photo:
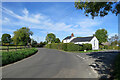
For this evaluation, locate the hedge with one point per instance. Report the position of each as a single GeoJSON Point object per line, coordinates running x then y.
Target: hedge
{"type": "Point", "coordinates": [13, 56]}
{"type": "Point", "coordinates": [69, 46]}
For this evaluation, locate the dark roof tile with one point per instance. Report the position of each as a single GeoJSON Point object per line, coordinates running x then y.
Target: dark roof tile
{"type": "Point", "coordinates": [68, 37]}
{"type": "Point", "coordinates": [82, 39]}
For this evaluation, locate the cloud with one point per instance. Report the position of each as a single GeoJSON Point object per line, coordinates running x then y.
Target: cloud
{"type": "Point", "coordinates": [43, 22]}
{"type": "Point", "coordinates": [84, 23]}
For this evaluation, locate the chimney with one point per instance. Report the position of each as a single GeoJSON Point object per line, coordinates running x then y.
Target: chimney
{"type": "Point", "coordinates": [72, 35]}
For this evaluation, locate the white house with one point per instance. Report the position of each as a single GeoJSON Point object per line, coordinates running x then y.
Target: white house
{"type": "Point", "coordinates": [83, 40]}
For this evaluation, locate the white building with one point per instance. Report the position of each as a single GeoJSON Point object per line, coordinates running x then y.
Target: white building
{"type": "Point", "coordinates": [83, 40]}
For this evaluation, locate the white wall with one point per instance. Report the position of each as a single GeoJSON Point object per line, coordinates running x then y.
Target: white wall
{"type": "Point", "coordinates": [68, 40]}
{"type": "Point", "coordinates": [95, 43]}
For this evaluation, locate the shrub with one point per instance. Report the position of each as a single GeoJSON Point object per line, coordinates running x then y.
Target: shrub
{"type": "Point", "coordinates": [69, 46]}
{"type": "Point", "coordinates": [64, 46]}
{"type": "Point", "coordinates": [13, 56]}
{"type": "Point", "coordinates": [101, 47]}
{"type": "Point", "coordinates": [72, 47]}
{"type": "Point", "coordinates": [80, 48]}
{"type": "Point", "coordinates": [87, 47]}
{"type": "Point", "coordinates": [105, 46]}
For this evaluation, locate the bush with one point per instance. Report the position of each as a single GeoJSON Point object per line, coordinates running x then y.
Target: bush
{"type": "Point", "coordinates": [64, 46]}
{"type": "Point", "coordinates": [72, 47]}
{"type": "Point", "coordinates": [41, 44]}
{"type": "Point", "coordinates": [13, 56]}
{"type": "Point", "coordinates": [80, 48]}
{"type": "Point", "coordinates": [101, 47]}
{"type": "Point", "coordinates": [105, 46]}
{"type": "Point", "coordinates": [87, 47]}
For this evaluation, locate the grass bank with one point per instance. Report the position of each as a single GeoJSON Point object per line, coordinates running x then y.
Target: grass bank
{"type": "Point", "coordinates": [13, 56]}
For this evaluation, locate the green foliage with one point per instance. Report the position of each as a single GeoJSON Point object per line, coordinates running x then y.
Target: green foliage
{"type": "Point", "coordinates": [64, 46]}
{"type": "Point", "coordinates": [22, 36]}
{"type": "Point", "coordinates": [50, 38]}
{"type": "Point", "coordinates": [114, 40]}
{"type": "Point", "coordinates": [13, 56]}
{"type": "Point", "coordinates": [101, 35]}
{"type": "Point", "coordinates": [87, 47]}
{"type": "Point", "coordinates": [98, 8]}
{"type": "Point", "coordinates": [117, 68]}
{"type": "Point", "coordinates": [41, 44]}
{"type": "Point", "coordinates": [101, 46]}
{"type": "Point", "coordinates": [106, 46]}
{"type": "Point", "coordinates": [34, 43]}
{"type": "Point", "coordinates": [69, 46]}
{"type": "Point", "coordinates": [57, 40]}
{"type": "Point", "coordinates": [6, 38]}
{"type": "Point", "coordinates": [72, 47]}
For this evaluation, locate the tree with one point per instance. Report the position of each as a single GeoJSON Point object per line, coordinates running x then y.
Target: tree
{"type": "Point", "coordinates": [50, 38]}
{"type": "Point", "coordinates": [22, 36]}
{"type": "Point", "coordinates": [101, 35]}
{"type": "Point", "coordinates": [57, 40]}
{"type": "Point", "coordinates": [6, 38]}
{"type": "Point", "coordinates": [34, 43]}
{"type": "Point", "coordinates": [114, 40]}
{"type": "Point", "coordinates": [98, 8]}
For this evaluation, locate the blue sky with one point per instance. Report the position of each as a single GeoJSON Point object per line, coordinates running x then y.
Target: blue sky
{"type": "Point", "coordinates": [60, 18]}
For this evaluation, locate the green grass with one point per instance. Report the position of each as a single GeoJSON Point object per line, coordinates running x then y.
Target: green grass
{"type": "Point", "coordinates": [13, 56]}
{"type": "Point", "coordinates": [117, 68]}
{"type": "Point", "coordinates": [84, 51]}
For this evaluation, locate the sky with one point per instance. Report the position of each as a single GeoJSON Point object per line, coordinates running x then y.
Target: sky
{"type": "Point", "coordinates": [60, 18]}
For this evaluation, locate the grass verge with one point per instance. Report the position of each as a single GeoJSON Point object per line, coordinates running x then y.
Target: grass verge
{"type": "Point", "coordinates": [84, 51]}
{"type": "Point", "coordinates": [13, 56]}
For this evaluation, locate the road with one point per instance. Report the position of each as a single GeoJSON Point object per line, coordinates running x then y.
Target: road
{"type": "Point", "coordinates": [49, 63]}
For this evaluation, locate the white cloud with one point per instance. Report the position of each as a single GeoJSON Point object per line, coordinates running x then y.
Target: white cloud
{"type": "Point", "coordinates": [25, 11]}
{"type": "Point", "coordinates": [84, 23]}
{"type": "Point", "coordinates": [40, 21]}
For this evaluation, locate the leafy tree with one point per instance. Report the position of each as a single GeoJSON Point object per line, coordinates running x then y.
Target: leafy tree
{"type": "Point", "coordinates": [34, 43]}
{"type": "Point", "coordinates": [41, 44]}
{"type": "Point", "coordinates": [22, 36]}
{"type": "Point", "coordinates": [114, 40]}
{"type": "Point", "coordinates": [57, 40]}
{"type": "Point", "coordinates": [50, 38]}
{"type": "Point", "coordinates": [98, 8]}
{"type": "Point", "coordinates": [6, 38]}
{"type": "Point", "coordinates": [101, 35]}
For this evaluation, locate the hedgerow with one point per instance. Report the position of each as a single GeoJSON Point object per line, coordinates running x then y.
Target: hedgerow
{"type": "Point", "coordinates": [69, 46]}
{"type": "Point", "coordinates": [13, 56]}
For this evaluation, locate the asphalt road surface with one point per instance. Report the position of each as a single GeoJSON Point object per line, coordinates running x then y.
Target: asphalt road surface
{"type": "Point", "coordinates": [49, 63]}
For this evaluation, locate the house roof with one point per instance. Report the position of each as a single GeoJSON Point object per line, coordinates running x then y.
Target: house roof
{"type": "Point", "coordinates": [82, 39]}
{"type": "Point", "coordinates": [68, 37]}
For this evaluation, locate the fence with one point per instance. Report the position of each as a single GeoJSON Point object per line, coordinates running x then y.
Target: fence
{"type": "Point", "coordinates": [8, 48]}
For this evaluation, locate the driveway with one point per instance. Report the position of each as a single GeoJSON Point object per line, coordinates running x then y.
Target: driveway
{"type": "Point", "coordinates": [50, 63]}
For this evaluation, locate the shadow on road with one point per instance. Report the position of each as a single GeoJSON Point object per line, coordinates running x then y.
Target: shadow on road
{"type": "Point", "coordinates": [104, 62]}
